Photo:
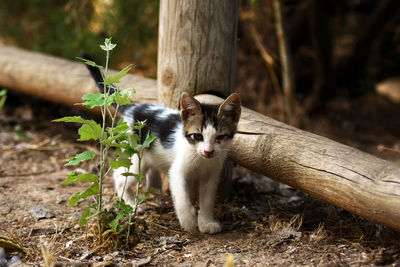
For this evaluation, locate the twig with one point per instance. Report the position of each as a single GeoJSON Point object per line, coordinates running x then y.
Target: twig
{"type": "Point", "coordinates": [164, 227]}
{"type": "Point", "coordinates": [383, 148]}
{"type": "Point", "coordinates": [269, 61]}
{"type": "Point", "coordinates": [287, 77]}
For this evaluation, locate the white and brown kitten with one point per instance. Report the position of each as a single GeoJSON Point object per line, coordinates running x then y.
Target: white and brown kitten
{"type": "Point", "coordinates": [192, 145]}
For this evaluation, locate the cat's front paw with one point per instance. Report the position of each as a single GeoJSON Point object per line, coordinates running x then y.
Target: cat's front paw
{"type": "Point", "coordinates": [188, 220]}
{"type": "Point", "coordinates": [210, 227]}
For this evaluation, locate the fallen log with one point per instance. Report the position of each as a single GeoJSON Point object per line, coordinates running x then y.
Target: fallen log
{"type": "Point", "coordinates": [338, 174]}
{"type": "Point", "coordinates": [59, 80]}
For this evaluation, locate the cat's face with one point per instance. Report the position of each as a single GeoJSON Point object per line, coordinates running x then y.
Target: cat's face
{"type": "Point", "coordinates": [210, 128]}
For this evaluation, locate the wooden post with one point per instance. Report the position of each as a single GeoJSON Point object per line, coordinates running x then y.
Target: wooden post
{"type": "Point", "coordinates": [196, 48]}
{"type": "Point", "coordinates": [197, 54]}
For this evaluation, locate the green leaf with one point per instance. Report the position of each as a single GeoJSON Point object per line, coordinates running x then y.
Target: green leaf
{"type": "Point", "coordinates": [80, 157]}
{"type": "Point", "coordinates": [89, 62]}
{"type": "Point", "coordinates": [122, 126]}
{"type": "Point", "coordinates": [149, 139]}
{"type": "Point", "coordinates": [92, 190]}
{"type": "Point", "coordinates": [118, 132]}
{"type": "Point", "coordinates": [86, 132]}
{"type": "Point", "coordinates": [110, 139]}
{"type": "Point", "coordinates": [93, 100]}
{"type": "Point", "coordinates": [120, 162]}
{"type": "Point", "coordinates": [3, 92]}
{"type": "Point", "coordinates": [124, 97]}
{"type": "Point", "coordinates": [115, 78]}
{"type": "Point", "coordinates": [107, 231]}
{"type": "Point", "coordinates": [74, 177]}
{"type": "Point", "coordinates": [3, 97]}
{"type": "Point", "coordinates": [143, 197]}
{"type": "Point", "coordinates": [139, 125]}
{"type": "Point", "coordinates": [133, 140]}
{"type": "Point", "coordinates": [71, 119]}
{"type": "Point", "coordinates": [19, 131]}
{"type": "Point", "coordinates": [125, 209]}
{"type": "Point", "coordinates": [96, 100]}
{"type": "Point", "coordinates": [94, 125]}
{"type": "Point", "coordinates": [123, 153]}
{"type": "Point", "coordinates": [108, 46]}
{"type": "Point", "coordinates": [139, 177]}
{"type": "Point", "coordinates": [84, 217]}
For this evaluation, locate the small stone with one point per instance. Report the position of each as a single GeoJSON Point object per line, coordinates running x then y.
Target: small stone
{"type": "Point", "coordinates": [2, 255]}
{"type": "Point", "coordinates": [14, 261]}
{"type": "Point", "coordinates": [141, 262]}
{"type": "Point", "coordinates": [41, 213]}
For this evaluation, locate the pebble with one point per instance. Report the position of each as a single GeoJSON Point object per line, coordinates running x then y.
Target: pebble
{"type": "Point", "coordinates": [41, 213]}
{"type": "Point", "coordinates": [3, 259]}
{"type": "Point", "coordinates": [2, 254]}
{"type": "Point", "coordinates": [14, 261]}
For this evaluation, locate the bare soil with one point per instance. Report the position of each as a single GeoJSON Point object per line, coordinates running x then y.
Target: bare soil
{"type": "Point", "coordinates": [265, 223]}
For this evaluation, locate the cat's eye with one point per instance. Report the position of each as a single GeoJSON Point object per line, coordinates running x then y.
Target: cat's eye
{"type": "Point", "coordinates": [222, 137]}
{"type": "Point", "coordinates": [197, 136]}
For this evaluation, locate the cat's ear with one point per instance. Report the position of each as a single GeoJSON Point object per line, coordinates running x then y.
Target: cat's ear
{"type": "Point", "coordinates": [189, 106]}
{"type": "Point", "coordinates": [231, 107]}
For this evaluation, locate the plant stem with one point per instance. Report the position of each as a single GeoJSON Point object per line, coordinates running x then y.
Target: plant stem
{"type": "Point", "coordinates": [139, 155]}
{"type": "Point", "coordinates": [103, 150]}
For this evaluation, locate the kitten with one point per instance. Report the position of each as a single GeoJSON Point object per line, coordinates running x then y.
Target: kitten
{"type": "Point", "coordinates": [192, 145]}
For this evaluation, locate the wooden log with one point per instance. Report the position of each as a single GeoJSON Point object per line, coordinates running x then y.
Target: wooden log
{"type": "Point", "coordinates": [338, 174]}
{"type": "Point", "coordinates": [58, 80]}
{"type": "Point", "coordinates": [196, 48]}
{"type": "Point", "coordinates": [330, 171]}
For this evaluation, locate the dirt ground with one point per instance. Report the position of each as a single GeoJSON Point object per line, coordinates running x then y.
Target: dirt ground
{"type": "Point", "coordinates": [265, 223]}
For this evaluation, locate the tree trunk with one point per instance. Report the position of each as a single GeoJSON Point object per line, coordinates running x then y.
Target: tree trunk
{"type": "Point", "coordinates": [335, 173]}
{"type": "Point", "coordinates": [196, 48]}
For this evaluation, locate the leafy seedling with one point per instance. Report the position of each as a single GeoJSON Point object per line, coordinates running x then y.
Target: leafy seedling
{"type": "Point", "coordinates": [117, 137]}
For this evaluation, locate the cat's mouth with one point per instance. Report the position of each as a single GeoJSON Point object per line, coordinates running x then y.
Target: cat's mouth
{"type": "Point", "coordinates": [208, 156]}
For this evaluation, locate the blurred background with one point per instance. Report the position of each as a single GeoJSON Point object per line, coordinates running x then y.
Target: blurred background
{"type": "Point", "coordinates": [333, 70]}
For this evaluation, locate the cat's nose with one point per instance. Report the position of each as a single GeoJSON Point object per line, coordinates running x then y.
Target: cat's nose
{"type": "Point", "coordinates": [209, 153]}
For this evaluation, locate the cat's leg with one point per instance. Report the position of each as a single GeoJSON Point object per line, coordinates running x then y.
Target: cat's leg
{"type": "Point", "coordinates": [125, 186]}
{"type": "Point", "coordinates": [153, 179]}
{"type": "Point", "coordinates": [207, 193]}
{"type": "Point", "coordinates": [184, 209]}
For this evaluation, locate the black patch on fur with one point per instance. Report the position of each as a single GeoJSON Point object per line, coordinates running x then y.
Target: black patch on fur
{"type": "Point", "coordinates": [163, 127]}
{"type": "Point", "coordinates": [210, 113]}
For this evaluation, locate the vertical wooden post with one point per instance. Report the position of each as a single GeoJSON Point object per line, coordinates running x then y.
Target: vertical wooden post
{"type": "Point", "coordinates": [196, 48]}
{"type": "Point", "coordinates": [197, 54]}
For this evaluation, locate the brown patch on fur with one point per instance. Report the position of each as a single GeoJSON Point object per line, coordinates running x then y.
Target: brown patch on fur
{"type": "Point", "coordinates": [231, 107]}
{"type": "Point", "coordinates": [193, 124]}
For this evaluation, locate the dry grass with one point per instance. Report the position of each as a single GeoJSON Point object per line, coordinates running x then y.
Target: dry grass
{"type": "Point", "coordinates": [318, 234]}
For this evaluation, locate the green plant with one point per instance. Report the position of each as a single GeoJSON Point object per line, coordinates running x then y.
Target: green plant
{"type": "Point", "coordinates": [3, 97]}
{"type": "Point", "coordinates": [126, 143]}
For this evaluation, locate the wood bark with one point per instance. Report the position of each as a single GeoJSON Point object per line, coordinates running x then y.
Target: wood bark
{"type": "Point", "coordinates": [196, 48]}
{"type": "Point", "coordinates": [57, 79]}
{"type": "Point", "coordinates": [335, 173]}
